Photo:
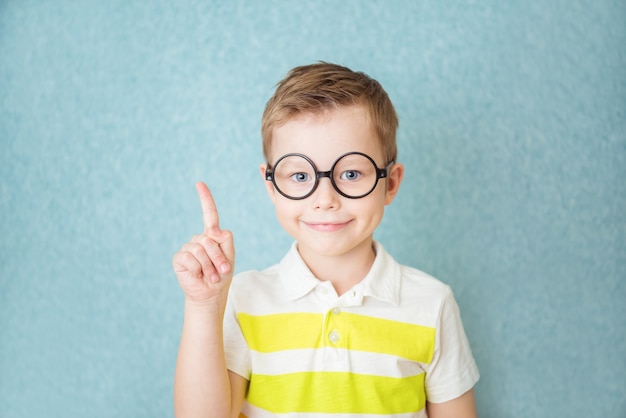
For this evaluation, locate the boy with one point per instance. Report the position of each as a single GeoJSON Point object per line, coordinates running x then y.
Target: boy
{"type": "Point", "coordinates": [338, 328]}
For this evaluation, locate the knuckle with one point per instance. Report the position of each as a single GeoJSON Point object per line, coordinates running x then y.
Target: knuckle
{"type": "Point", "coordinates": [195, 238]}
{"type": "Point", "coordinates": [186, 261]}
{"type": "Point", "coordinates": [196, 251]}
{"type": "Point", "coordinates": [188, 258]}
{"type": "Point", "coordinates": [205, 241]}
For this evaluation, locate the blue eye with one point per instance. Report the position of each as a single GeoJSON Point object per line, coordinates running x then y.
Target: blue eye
{"type": "Point", "coordinates": [300, 177]}
{"type": "Point", "coordinates": [350, 175]}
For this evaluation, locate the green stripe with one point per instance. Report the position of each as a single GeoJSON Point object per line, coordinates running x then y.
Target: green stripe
{"type": "Point", "coordinates": [278, 332]}
{"type": "Point", "coordinates": [337, 393]}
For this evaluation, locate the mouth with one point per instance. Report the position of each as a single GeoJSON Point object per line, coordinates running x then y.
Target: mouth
{"type": "Point", "coordinates": [326, 226]}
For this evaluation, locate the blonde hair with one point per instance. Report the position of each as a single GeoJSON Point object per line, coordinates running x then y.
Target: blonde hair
{"type": "Point", "coordinates": [322, 86]}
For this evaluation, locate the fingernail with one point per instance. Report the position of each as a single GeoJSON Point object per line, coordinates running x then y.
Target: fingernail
{"type": "Point", "coordinates": [215, 278]}
{"type": "Point", "coordinates": [224, 268]}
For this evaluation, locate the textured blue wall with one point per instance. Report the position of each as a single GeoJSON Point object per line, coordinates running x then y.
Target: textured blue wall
{"type": "Point", "coordinates": [513, 131]}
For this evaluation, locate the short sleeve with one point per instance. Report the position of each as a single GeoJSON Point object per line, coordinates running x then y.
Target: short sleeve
{"type": "Point", "coordinates": [453, 370]}
{"type": "Point", "coordinates": [235, 347]}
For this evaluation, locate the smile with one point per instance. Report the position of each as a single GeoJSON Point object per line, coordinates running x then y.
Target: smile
{"type": "Point", "coordinates": [326, 226]}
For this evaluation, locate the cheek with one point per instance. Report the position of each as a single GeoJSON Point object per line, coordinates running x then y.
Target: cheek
{"type": "Point", "coordinates": [375, 208]}
{"type": "Point", "coordinates": [376, 200]}
{"type": "Point", "coordinates": [286, 211]}
{"type": "Point", "coordinates": [287, 216]}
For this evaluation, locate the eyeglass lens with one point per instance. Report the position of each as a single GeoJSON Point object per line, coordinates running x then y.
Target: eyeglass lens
{"type": "Point", "coordinates": [353, 175]}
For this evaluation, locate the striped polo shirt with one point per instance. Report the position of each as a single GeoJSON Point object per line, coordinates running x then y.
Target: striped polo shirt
{"type": "Point", "coordinates": [384, 348]}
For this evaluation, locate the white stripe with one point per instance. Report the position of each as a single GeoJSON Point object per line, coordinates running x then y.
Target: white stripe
{"type": "Point", "coordinates": [253, 412]}
{"type": "Point", "coordinates": [333, 359]}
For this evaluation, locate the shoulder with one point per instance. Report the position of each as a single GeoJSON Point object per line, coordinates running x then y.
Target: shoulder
{"type": "Point", "coordinates": [258, 291]}
{"type": "Point", "coordinates": [409, 279]}
{"type": "Point", "coordinates": [251, 281]}
{"type": "Point", "coordinates": [419, 297]}
{"type": "Point", "coordinates": [424, 293]}
{"type": "Point", "coordinates": [417, 282]}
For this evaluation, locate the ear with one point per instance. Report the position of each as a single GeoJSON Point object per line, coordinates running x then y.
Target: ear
{"type": "Point", "coordinates": [269, 186]}
{"type": "Point", "coordinates": [394, 178]}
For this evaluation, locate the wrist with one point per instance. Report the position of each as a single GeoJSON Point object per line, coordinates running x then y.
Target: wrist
{"type": "Point", "coordinates": [205, 308]}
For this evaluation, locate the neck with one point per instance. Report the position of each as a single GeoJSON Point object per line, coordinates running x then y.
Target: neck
{"type": "Point", "coordinates": [343, 271]}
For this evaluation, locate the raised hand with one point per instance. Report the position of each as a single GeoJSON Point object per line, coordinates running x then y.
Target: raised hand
{"type": "Point", "coordinates": [204, 266]}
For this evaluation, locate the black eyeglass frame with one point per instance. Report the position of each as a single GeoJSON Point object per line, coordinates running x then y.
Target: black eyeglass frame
{"type": "Point", "coordinates": [381, 173]}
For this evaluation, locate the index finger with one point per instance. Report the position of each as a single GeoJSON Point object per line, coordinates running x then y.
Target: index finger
{"type": "Point", "coordinates": [210, 217]}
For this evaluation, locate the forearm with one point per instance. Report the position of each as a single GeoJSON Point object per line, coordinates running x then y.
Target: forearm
{"type": "Point", "coordinates": [201, 385]}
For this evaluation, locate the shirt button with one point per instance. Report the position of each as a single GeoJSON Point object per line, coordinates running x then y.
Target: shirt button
{"type": "Point", "coordinates": [336, 311]}
{"type": "Point", "coordinates": [334, 337]}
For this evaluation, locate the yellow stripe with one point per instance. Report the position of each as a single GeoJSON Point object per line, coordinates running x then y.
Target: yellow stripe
{"type": "Point", "coordinates": [337, 393]}
{"type": "Point", "coordinates": [271, 333]}
{"type": "Point", "coordinates": [376, 335]}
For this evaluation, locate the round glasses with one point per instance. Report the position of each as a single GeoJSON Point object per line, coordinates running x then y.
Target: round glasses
{"type": "Point", "coordinates": [353, 175]}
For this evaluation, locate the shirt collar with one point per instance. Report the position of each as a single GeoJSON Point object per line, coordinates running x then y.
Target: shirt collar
{"type": "Point", "coordinates": [384, 278]}
{"type": "Point", "coordinates": [382, 282]}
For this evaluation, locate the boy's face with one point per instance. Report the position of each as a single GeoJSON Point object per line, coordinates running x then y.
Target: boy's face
{"type": "Point", "coordinates": [326, 223]}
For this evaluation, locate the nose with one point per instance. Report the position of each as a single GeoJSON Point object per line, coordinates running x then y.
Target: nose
{"type": "Point", "coordinates": [325, 196]}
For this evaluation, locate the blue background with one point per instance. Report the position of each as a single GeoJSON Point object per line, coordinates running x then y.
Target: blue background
{"type": "Point", "coordinates": [512, 130]}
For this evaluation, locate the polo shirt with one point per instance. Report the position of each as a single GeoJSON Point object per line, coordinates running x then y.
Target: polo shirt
{"type": "Point", "coordinates": [384, 348]}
